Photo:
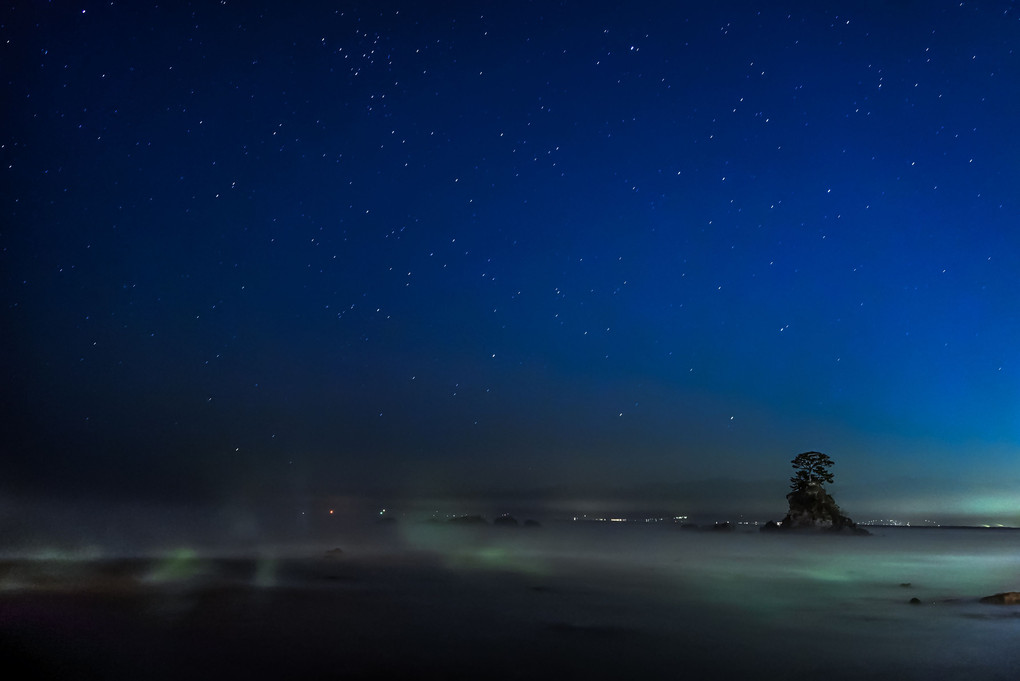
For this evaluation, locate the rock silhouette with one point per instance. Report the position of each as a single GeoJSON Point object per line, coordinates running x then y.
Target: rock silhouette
{"type": "Point", "coordinates": [811, 508]}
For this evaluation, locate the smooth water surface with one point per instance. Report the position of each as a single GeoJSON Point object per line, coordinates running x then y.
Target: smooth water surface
{"type": "Point", "coordinates": [598, 600]}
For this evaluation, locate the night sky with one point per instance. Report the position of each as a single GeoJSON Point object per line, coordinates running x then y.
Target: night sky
{"type": "Point", "coordinates": [263, 252]}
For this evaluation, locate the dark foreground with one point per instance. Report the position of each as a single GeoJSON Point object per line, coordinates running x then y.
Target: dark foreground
{"type": "Point", "coordinates": [488, 613]}
{"type": "Point", "coordinates": [323, 621]}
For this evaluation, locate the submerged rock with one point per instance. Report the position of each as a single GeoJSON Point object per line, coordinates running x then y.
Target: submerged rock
{"type": "Point", "coordinates": [1005, 598]}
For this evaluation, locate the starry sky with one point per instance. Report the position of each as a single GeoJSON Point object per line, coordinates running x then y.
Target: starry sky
{"type": "Point", "coordinates": [258, 251]}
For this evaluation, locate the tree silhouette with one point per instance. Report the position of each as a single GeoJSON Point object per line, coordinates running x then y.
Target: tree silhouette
{"type": "Point", "coordinates": [810, 467]}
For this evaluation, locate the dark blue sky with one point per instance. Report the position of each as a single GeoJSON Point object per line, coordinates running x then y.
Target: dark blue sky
{"type": "Point", "coordinates": [422, 249]}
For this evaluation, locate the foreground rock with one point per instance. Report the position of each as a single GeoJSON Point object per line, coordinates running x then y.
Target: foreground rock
{"type": "Point", "coordinates": [1005, 598]}
{"type": "Point", "coordinates": [813, 509]}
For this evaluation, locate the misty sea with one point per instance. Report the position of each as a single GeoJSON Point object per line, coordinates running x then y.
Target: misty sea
{"type": "Point", "coordinates": [568, 600]}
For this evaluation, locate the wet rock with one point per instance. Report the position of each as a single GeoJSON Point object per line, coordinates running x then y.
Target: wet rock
{"type": "Point", "coordinates": [1005, 598]}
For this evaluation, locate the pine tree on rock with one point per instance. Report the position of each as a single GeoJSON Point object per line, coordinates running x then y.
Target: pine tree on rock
{"type": "Point", "coordinates": [811, 507]}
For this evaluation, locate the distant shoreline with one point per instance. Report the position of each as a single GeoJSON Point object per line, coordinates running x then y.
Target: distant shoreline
{"type": "Point", "coordinates": [939, 527]}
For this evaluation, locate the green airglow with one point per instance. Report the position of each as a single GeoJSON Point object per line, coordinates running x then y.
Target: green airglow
{"type": "Point", "coordinates": [180, 565]}
{"type": "Point", "coordinates": [265, 572]}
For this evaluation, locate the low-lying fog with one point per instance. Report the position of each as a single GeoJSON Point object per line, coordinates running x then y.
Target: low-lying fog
{"type": "Point", "coordinates": [601, 599]}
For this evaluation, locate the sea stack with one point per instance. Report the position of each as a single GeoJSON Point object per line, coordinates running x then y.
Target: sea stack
{"type": "Point", "coordinates": [812, 508]}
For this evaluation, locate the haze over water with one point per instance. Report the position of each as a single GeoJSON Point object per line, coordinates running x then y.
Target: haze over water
{"type": "Point", "coordinates": [593, 599]}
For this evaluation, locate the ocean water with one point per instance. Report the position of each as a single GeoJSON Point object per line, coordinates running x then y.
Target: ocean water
{"type": "Point", "coordinates": [568, 600]}
{"type": "Point", "coordinates": [776, 606]}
